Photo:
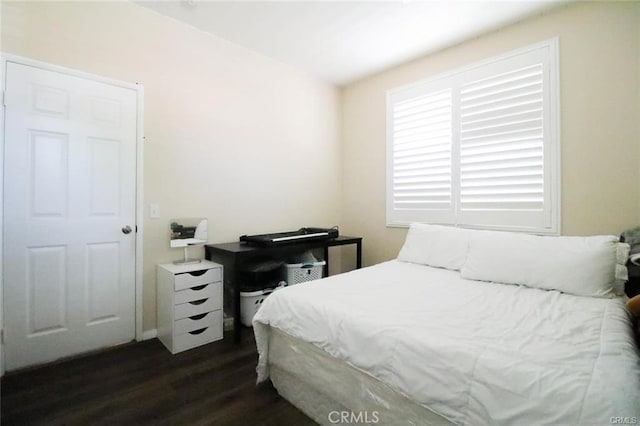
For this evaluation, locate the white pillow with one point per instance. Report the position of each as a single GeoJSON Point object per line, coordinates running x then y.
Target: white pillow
{"type": "Point", "coordinates": [435, 245]}
{"type": "Point", "coordinates": [622, 274]}
{"type": "Point", "coordinates": [583, 266]}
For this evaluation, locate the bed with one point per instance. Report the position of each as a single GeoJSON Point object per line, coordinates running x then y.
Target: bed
{"type": "Point", "coordinates": [461, 329]}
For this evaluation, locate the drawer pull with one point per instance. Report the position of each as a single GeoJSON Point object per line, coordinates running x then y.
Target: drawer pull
{"type": "Point", "coordinates": [199, 317]}
{"type": "Point", "coordinates": [197, 273]}
{"type": "Point", "coordinates": [198, 302]}
{"type": "Point", "coordinates": [200, 287]}
{"type": "Point", "coordinates": [202, 330]}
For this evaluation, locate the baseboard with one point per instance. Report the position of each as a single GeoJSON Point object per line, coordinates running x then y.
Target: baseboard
{"type": "Point", "coordinates": [149, 334]}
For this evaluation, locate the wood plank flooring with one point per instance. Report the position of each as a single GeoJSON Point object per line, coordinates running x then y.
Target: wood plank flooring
{"type": "Point", "coordinates": [142, 383]}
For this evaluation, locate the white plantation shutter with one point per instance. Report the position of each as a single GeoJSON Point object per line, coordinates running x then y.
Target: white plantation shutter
{"type": "Point", "coordinates": [422, 152]}
{"type": "Point", "coordinates": [478, 147]}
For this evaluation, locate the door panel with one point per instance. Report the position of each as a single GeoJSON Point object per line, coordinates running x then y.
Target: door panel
{"type": "Point", "coordinates": [105, 165]}
{"type": "Point", "coordinates": [46, 290]}
{"type": "Point", "coordinates": [103, 288]}
{"type": "Point", "coordinates": [69, 188]}
{"type": "Point", "coordinates": [49, 160]}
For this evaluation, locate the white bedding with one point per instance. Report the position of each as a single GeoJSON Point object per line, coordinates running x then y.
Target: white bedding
{"type": "Point", "coordinates": [473, 352]}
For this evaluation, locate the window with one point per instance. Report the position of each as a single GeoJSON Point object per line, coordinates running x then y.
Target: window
{"type": "Point", "coordinates": [478, 146]}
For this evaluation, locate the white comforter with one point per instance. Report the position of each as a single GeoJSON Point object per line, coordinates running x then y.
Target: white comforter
{"type": "Point", "coordinates": [473, 352]}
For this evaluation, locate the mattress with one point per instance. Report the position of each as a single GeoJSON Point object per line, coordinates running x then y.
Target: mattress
{"type": "Point", "coordinates": [324, 388]}
{"type": "Point", "coordinates": [472, 352]}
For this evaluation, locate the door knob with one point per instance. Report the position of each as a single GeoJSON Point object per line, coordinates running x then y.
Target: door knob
{"type": "Point", "coordinates": [126, 230]}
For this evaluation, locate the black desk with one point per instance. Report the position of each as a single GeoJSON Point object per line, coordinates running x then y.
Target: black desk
{"type": "Point", "coordinates": [234, 255]}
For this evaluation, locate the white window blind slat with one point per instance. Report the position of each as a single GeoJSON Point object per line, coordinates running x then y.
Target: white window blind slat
{"type": "Point", "coordinates": [422, 119]}
{"type": "Point", "coordinates": [424, 161]}
{"type": "Point", "coordinates": [501, 78]}
{"type": "Point", "coordinates": [411, 152]}
{"type": "Point", "coordinates": [502, 157]}
{"type": "Point", "coordinates": [516, 87]}
{"type": "Point", "coordinates": [497, 94]}
{"type": "Point", "coordinates": [525, 100]}
{"type": "Point", "coordinates": [492, 119]}
{"type": "Point", "coordinates": [426, 138]}
{"type": "Point", "coordinates": [531, 129]}
{"type": "Point", "coordinates": [494, 139]}
{"type": "Point", "coordinates": [501, 147]}
{"type": "Point", "coordinates": [505, 182]}
{"type": "Point", "coordinates": [506, 172]}
{"type": "Point", "coordinates": [518, 206]}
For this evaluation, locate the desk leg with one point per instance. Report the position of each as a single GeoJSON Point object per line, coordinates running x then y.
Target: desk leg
{"type": "Point", "coordinates": [325, 268]}
{"type": "Point", "coordinates": [232, 285]}
{"type": "Point", "coordinates": [237, 325]}
{"type": "Point", "coordinates": [359, 255]}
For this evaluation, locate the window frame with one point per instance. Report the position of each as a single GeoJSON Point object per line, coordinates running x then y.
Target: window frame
{"type": "Point", "coordinates": [551, 144]}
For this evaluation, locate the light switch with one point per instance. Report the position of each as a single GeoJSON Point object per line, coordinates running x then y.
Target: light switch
{"type": "Point", "coordinates": [154, 211]}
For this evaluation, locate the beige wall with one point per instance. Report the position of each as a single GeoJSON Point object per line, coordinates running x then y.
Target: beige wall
{"type": "Point", "coordinates": [244, 140]}
{"type": "Point", "coordinates": [600, 121]}
{"type": "Point", "coordinates": [228, 132]}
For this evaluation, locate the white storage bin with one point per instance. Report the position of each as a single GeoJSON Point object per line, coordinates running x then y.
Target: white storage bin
{"type": "Point", "coordinates": [250, 302]}
{"type": "Point", "coordinates": [296, 273]}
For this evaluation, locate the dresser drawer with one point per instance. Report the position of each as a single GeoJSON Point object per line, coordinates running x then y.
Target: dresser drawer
{"type": "Point", "coordinates": [198, 293]}
{"type": "Point", "coordinates": [196, 307]}
{"type": "Point", "coordinates": [197, 322]}
{"type": "Point", "coordinates": [195, 338]}
{"type": "Point", "coordinates": [196, 278]}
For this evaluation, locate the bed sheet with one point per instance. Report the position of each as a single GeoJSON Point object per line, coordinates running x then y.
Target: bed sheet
{"type": "Point", "coordinates": [472, 352]}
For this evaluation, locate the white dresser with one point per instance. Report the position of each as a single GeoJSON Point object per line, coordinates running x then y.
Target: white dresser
{"type": "Point", "coordinates": [189, 305]}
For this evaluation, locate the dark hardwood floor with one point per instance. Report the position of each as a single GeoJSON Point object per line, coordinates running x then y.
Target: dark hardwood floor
{"type": "Point", "coordinates": [142, 383]}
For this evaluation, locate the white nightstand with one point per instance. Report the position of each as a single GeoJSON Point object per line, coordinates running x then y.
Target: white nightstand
{"type": "Point", "coordinates": [189, 305]}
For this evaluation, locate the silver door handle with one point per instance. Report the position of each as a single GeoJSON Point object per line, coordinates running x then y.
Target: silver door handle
{"type": "Point", "coordinates": [126, 230]}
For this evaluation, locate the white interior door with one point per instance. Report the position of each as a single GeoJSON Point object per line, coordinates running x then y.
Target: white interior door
{"type": "Point", "coordinates": [69, 190]}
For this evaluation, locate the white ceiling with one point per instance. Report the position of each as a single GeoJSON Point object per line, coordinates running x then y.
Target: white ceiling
{"type": "Point", "coordinates": [341, 41]}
